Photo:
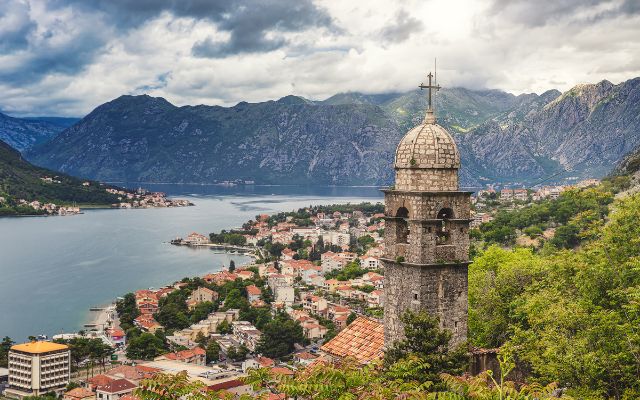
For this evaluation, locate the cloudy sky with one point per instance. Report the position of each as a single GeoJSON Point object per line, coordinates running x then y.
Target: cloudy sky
{"type": "Point", "coordinates": [65, 57]}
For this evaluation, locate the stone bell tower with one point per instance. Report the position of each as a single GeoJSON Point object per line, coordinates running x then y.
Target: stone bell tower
{"type": "Point", "coordinates": [426, 231]}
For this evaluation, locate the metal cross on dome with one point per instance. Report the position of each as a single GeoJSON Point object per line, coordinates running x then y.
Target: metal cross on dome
{"type": "Point", "coordinates": [429, 86]}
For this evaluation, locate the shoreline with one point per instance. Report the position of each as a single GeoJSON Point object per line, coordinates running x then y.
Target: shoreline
{"type": "Point", "coordinates": [100, 319]}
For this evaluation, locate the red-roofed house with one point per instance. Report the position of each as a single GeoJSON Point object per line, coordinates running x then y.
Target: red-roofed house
{"type": "Point", "coordinates": [370, 262]}
{"type": "Point", "coordinates": [148, 307]}
{"type": "Point", "coordinates": [331, 285]}
{"type": "Point", "coordinates": [340, 321]}
{"type": "Point", "coordinates": [363, 340]}
{"type": "Point", "coordinates": [376, 298]}
{"type": "Point", "coordinates": [97, 380]}
{"type": "Point", "coordinates": [258, 362]}
{"type": "Point", "coordinates": [117, 336]}
{"type": "Point", "coordinates": [220, 278]}
{"type": "Point", "coordinates": [114, 390]}
{"type": "Point", "coordinates": [195, 356]}
{"type": "Point", "coordinates": [312, 329]}
{"type": "Point", "coordinates": [233, 386]}
{"type": "Point", "coordinates": [314, 304]}
{"type": "Point", "coordinates": [253, 293]}
{"type": "Point", "coordinates": [244, 275]}
{"type": "Point", "coordinates": [308, 271]}
{"type": "Point", "coordinates": [295, 267]}
{"type": "Point", "coordinates": [287, 254]}
{"type": "Point", "coordinates": [147, 323]}
{"type": "Point", "coordinates": [79, 394]}
{"type": "Point", "coordinates": [345, 291]}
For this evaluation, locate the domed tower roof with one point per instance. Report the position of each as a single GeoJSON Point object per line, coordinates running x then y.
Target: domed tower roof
{"type": "Point", "coordinates": [427, 157]}
{"type": "Point", "coordinates": [427, 145]}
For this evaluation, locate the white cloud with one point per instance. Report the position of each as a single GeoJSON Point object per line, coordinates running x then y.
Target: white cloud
{"type": "Point", "coordinates": [68, 59]}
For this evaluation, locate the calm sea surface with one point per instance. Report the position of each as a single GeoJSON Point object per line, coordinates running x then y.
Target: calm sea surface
{"type": "Point", "coordinates": [52, 269]}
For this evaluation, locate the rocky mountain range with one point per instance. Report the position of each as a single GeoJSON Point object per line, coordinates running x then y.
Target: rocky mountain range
{"type": "Point", "coordinates": [24, 133]}
{"type": "Point", "coordinates": [350, 138]}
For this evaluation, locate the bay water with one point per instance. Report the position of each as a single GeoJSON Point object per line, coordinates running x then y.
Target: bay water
{"type": "Point", "coordinates": [53, 269]}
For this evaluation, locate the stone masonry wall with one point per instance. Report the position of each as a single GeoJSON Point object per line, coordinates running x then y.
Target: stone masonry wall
{"type": "Point", "coordinates": [427, 179]}
{"type": "Point", "coordinates": [427, 205]}
{"type": "Point", "coordinates": [440, 290]}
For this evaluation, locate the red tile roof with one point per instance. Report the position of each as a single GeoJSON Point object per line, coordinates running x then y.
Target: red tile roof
{"type": "Point", "coordinates": [265, 361]}
{"type": "Point", "coordinates": [186, 354]}
{"type": "Point", "coordinates": [281, 371]}
{"type": "Point", "coordinates": [119, 385]}
{"type": "Point", "coordinates": [233, 383]}
{"type": "Point", "coordinates": [116, 332]}
{"type": "Point", "coordinates": [254, 290]}
{"type": "Point", "coordinates": [134, 373]}
{"type": "Point", "coordinates": [79, 393]}
{"type": "Point", "coordinates": [99, 380]}
{"type": "Point", "coordinates": [362, 340]}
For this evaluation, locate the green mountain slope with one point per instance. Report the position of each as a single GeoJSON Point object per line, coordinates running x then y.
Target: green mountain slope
{"type": "Point", "coordinates": [22, 180]}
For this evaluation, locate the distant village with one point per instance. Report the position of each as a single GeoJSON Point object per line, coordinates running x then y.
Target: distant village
{"type": "Point", "coordinates": [487, 201]}
{"type": "Point", "coordinates": [140, 198]}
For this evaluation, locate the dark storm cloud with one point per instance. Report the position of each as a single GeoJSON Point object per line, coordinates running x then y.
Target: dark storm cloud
{"type": "Point", "coordinates": [401, 28]}
{"type": "Point", "coordinates": [68, 45]}
{"type": "Point", "coordinates": [536, 14]}
{"type": "Point", "coordinates": [132, 13]}
{"type": "Point", "coordinates": [15, 26]}
{"type": "Point", "coordinates": [247, 21]}
{"type": "Point", "coordinates": [63, 47]}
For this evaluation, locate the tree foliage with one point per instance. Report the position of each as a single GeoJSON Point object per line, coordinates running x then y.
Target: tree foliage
{"type": "Point", "coordinates": [145, 347]}
{"type": "Point", "coordinates": [430, 345]}
{"type": "Point", "coordinates": [279, 336]}
{"type": "Point", "coordinates": [572, 315]}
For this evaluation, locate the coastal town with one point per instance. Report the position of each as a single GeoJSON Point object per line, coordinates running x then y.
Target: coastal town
{"type": "Point", "coordinates": [315, 272]}
{"type": "Point", "coordinates": [314, 288]}
{"type": "Point", "coordinates": [139, 198]}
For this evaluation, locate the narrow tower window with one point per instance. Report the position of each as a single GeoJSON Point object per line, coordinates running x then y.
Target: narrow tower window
{"type": "Point", "coordinates": [443, 235]}
{"type": "Point", "coordinates": [402, 231]}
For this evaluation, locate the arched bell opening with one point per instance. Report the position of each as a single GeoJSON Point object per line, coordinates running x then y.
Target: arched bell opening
{"type": "Point", "coordinates": [402, 231]}
{"type": "Point", "coordinates": [443, 236]}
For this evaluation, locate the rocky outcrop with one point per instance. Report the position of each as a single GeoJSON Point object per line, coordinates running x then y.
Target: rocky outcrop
{"type": "Point", "coordinates": [350, 138]}
{"type": "Point", "coordinates": [22, 133]}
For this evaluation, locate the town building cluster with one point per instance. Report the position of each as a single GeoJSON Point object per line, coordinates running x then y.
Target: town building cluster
{"type": "Point", "coordinates": [143, 199]}
{"type": "Point", "coordinates": [49, 208]}
{"type": "Point", "coordinates": [337, 228]}
{"type": "Point", "coordinates": [488, 201]}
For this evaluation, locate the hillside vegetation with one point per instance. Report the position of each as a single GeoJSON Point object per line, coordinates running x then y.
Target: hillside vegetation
{"type": "Point", "coordinates": [21, 180]}
{"type": "Point", "coordinates": [570, 309]}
